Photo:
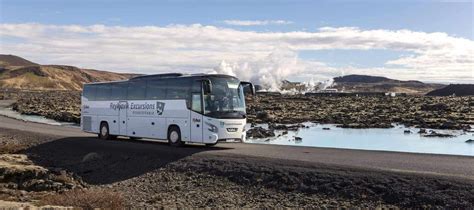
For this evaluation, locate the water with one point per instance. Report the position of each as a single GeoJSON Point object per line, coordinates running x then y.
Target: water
{"type": "Point", "coordinates": [8, 112]}
{"type": "Point", "coordinates": [382, 139]}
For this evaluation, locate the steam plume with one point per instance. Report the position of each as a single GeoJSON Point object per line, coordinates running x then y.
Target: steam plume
{"type": "Point", "coordinates": [268, 72]}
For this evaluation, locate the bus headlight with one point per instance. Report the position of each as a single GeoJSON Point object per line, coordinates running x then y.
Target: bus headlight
{"type": "Point", "coordinates": [212, 127]}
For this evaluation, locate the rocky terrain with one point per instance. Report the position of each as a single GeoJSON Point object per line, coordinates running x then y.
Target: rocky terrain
{"type": "Point", "coordinates": [151, 174]}
{"type": "Point", "coordinates": [349, 112]}
{"type": "Point", "coordinates": [364, 112]}
{"type": "Point", "coordinates": [23, 180]}
{"type": "Point", "coordinates": [57, 105]}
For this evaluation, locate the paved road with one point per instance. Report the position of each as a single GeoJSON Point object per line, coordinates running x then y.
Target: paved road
{"type": "Point", "coordinates": [445, 165]}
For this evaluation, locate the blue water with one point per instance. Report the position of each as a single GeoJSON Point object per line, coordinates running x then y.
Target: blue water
{"type": "Point", "coordinates": [8, 112]}
{"type": "Point", "coordinates": [382, 139]}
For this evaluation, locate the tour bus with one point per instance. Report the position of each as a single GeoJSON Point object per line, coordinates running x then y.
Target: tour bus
{"type": "Point", "coordinates": [179, 108]}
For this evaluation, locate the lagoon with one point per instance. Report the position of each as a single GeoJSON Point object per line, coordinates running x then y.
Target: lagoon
{"type": "Point", "coordinates": [381, 139]}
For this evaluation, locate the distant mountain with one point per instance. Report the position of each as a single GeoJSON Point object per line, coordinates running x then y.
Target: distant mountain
{"type": "Point", "coordinates": [19, 73]}
{"type": "Point", "coordinates": [362, 79]}
{"type": "Point", "coordinates": [454, 89]}
{"type": "Point", "coordinates": [365, 83]}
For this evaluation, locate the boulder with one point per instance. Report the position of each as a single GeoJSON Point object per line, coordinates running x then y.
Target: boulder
{"type": "Point", "coordinates": [259, 132]}
{"type": "Point", "coordinates": [422, 131]}
{"type": "Point", "coordinates": [19, 173]}
{"type": "Point", "coordinates": [265, 116]}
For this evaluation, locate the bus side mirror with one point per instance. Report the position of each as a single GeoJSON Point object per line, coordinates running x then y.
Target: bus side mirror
{"type": "Point", "coordinates": [207, 86]}
{"type": "Point", "coordinates": [250, 85]}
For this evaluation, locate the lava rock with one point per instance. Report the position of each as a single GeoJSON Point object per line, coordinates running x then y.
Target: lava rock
{"type": "Point", "coordinates": [259, 132]}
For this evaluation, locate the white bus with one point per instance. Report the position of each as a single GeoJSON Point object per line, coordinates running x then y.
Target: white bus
{"type": "Point", "coordinates": [180, 108]}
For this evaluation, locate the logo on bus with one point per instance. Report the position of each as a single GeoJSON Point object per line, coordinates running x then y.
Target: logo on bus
{"type": "Point", "coordinates": [160, 106]}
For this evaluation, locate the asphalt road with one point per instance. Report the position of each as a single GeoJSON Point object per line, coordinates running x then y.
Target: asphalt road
{"type": "Point", "coordinates": [442, 165]}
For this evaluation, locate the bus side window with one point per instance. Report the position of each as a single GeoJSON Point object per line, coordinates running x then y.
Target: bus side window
{"type": "Point", "coordinates": [119, 91]}
{"type": "Point", "coordinates": [89, 92]}
{"type": "Point", "coordinates": [136, 90]}
{"type": "Point", "coordinates": [156, 89]}
{"type": "Point", "coordinates": [103, 92]}
{"type": "Point", "coordinates": [195, 96]}
{"type": "Point", "coordinates": [178, 89]}
{"type": "Point", "coordinates": [196, 102]}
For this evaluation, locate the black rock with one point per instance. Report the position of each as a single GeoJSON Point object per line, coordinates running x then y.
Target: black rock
{"type": "Point", "coordinates": [259, 132]}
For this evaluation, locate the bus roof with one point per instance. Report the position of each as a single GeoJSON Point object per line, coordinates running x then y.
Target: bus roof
{"type": "Point", "coordinates": [163, 76]}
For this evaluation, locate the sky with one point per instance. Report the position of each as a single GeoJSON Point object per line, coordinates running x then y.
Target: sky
{"type": "Point", "coordinates": [261, 41]}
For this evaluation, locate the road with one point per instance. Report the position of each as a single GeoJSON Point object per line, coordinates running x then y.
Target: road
{"type": "Point", "coordinates": [443, 165]}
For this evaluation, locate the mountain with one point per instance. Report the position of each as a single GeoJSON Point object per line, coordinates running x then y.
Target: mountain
{"type": "Point", "coordinates": [362, 79]}
{"type": "Point", "coordinates": [19, 73]}
{"type": "Point", "coordinates": [365, 83]}
{"type": "Point", "coordinates": [454, 89]}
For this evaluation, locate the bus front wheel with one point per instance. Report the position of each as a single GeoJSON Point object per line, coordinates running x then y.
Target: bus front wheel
{"type": "Point", "coordinates": [174, 137]}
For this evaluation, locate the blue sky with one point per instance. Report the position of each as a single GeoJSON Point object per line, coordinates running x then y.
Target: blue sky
{"type": "Point", "coordinates": [455, 19]}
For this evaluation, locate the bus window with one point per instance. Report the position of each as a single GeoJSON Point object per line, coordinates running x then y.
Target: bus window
{"type": "Point", "coordinates": [89, 92]}
{"type": "Point", "coordinates": [119, 91]}
{"type": "Point", "coordinates": [156, 90]}
{"type": "Point", "coordinates": [196, 102]}
{"type": "Point", "coordinates": [195, 89]}
{"type": "Point", "coordinates": [178, 89]}
{"type": "Point", "coordinates": [136, 90]}
{"type": "Point", "coordinates": [103, 92]}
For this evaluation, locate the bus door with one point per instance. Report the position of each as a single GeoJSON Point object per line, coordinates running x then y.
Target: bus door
{"type": "Point", "coordinates": [196, 118]}
{"type": "Point", "coordinates": [123, 107]}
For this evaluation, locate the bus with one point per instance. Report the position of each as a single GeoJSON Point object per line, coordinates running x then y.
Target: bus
{"type": "Point", "coordinates": [179, 108]}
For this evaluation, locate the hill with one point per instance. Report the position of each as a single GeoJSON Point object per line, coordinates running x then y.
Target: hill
{"type": "Point", "coordinates": [362, 79]}
{"type": "Point", "coordinates": [19, 73]}
{"type": "Point", "coordinates": [365, 83]}
{"type": "Point", "coordinates": [13, 60]}
{"type": "Point", "coordinates": [454, 89]}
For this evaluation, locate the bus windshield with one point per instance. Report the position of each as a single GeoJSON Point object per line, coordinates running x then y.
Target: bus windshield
{"type": "Point", "coordinates": [227, 97]}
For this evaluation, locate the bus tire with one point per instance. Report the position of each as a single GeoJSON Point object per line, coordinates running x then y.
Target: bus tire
{"type": "Point", "coordinates": [211, 144]}
{"type": "Point", "coordinates": [104, 132]}
{"type": "Point", "coordinates": [174, 137]}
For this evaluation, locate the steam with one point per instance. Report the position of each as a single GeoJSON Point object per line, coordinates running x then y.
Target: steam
{"type": "Point", "coordinates": [271, 70]}
{"type": "Point", "coordinates": [268, 72]}
{"type": "Point", "coordinates": [326, 84]}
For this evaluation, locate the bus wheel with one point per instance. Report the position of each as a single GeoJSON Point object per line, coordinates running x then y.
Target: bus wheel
{"type": "Point", "coordinates": [174, 137]}
{"type": "Point", "coordinates": [211, 145]}
{"type": "Point", "coordinates": [104, 131]}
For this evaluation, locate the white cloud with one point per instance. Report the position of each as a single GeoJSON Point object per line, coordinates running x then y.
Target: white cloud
{"type": "Point", "coordinates": [258, 56]}
{"type": "Point", "coordinates": [256, 22]}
